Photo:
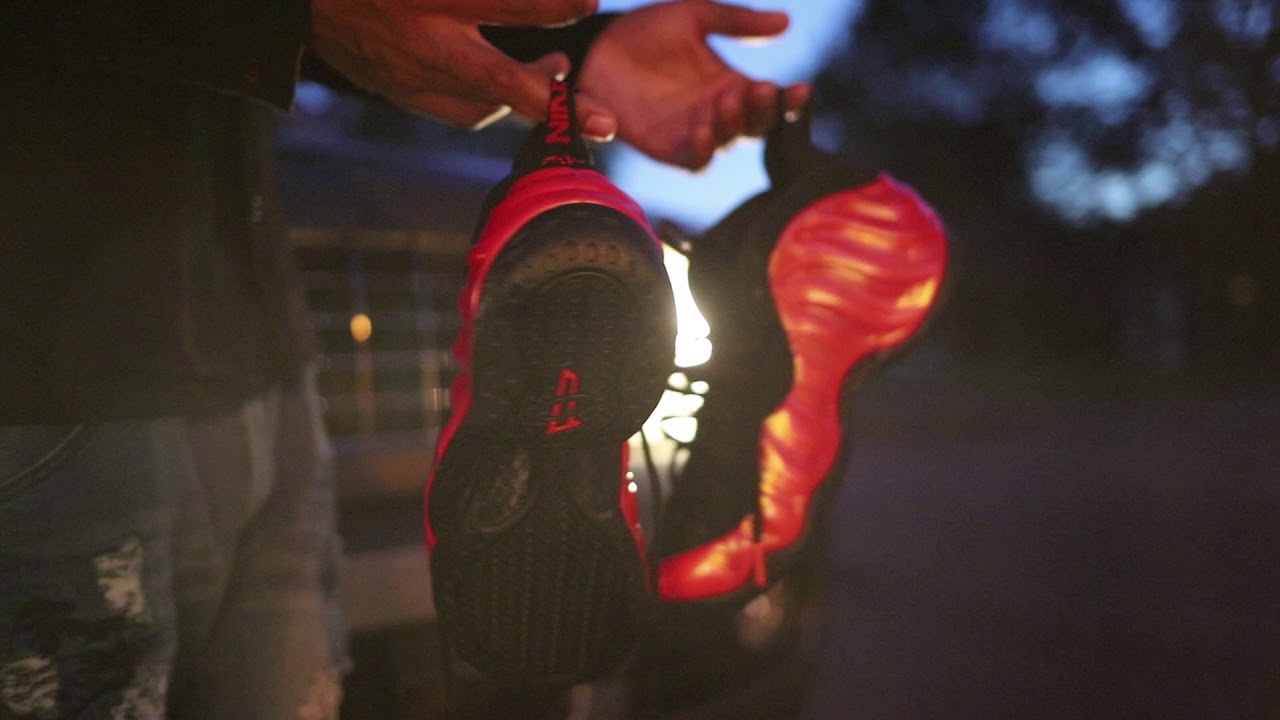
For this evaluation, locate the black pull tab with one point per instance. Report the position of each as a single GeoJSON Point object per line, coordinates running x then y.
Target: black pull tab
{"type": "Point", "coordinates": [557, 141]}
{"type": "Point", "coordinates": [789, 149]}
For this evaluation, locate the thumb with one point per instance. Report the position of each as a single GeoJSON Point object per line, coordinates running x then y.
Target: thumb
{"type": "Point", "coordinates": [551, 65]}
{"type": "Point", "coordinates": [596, 121]}
{"type": "Point", "coordinates": [529, 88]}
{"type": "Point", "coordinates": [738, 21]}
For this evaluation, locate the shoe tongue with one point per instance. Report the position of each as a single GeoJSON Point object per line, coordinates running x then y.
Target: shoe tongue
{"type": "Point", "coordinates": [556, 141]}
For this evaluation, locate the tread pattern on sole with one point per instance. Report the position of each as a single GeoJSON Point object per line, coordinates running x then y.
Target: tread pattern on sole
{"type": "Point", "coordinates": [536, 567]}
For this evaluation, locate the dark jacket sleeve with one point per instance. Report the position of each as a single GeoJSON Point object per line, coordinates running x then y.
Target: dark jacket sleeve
{"type": "Point", "coordinates": [249, 48]}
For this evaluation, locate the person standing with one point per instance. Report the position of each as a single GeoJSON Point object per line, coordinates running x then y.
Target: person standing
{"type": "Point", "coordinates": [167, 534]}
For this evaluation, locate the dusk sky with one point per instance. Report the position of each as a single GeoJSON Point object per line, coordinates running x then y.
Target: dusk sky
{"type": "Point", "coordinates": [698, 200]}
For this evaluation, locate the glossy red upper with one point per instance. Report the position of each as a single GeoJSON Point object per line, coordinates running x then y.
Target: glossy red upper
{"type": "Point", "coordinates": [853, 275]}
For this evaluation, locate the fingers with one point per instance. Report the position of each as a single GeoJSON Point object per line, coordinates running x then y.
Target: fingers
{"type": "Point", "coordinates": [741, 22]}
{"type": "Point", "coordinates": [759, 108]}
{"type": "Point", "coordinates": [460, 105]}
{"type": "Point", "coordinates": [763, 108]}
{"type": "Point", "coordinates": [597, 122]}
{"type": "Point", "coordinates": [729, 119]}
{"type": "Point", "coordinates": [429, 57]}
{"type": "Point", "coordinates": [702, 143]}
{"type": "Point", "coordinates": [795, 99]}
{"type": "Point", "coordinates": [464, 104]}
{"type": "Point", "coordinates": [482, 72]}
{"type": "Point", "coordinates": [750, 109]}
{"type": "Point", "coordinates": [453, 109]}
{"type": "Point", "coordinates": [551, 65]}
{"type": "Point", "coordinates": [744, 110]}
{"type": "Point", "coordinates": [515, 12]}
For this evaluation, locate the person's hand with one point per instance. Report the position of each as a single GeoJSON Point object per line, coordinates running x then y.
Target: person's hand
{"type": "Point", "coordinates": [674, 98]}
{"type": "Point", "coordinates": [428, 57]}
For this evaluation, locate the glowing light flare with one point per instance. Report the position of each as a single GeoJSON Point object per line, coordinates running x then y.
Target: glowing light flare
{"type": "Point", "coordinates": [672, 419]}
{"type": "Point", "coordinates": [692, 330]}
{"type": "Point", "coordinates": [680, 429]}
{"type": "Point", "coordinates": [361, 328]}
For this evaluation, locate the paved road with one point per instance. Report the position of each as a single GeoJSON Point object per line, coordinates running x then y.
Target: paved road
{"type": "Point", "coordinates": [1002, 552]}
{"type": "Point", "coordinates": [1057, 555]}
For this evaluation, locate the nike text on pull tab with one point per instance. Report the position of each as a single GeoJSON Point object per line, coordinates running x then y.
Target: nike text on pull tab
{"type": "Point", "coordinates": [558, 122]}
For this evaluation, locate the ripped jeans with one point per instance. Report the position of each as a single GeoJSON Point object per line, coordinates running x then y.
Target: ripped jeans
{"type": "Point", "coordinates": [171, 567]}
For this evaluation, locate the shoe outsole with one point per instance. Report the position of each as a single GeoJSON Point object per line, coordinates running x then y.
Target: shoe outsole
{"type": "Point", "coordinates": [538, 571]}
{"type": "Point", "coordinates": [853, 276]}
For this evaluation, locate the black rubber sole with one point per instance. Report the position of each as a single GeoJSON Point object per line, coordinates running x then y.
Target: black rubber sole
{"type": "Point", "coordinates": [538, 578]}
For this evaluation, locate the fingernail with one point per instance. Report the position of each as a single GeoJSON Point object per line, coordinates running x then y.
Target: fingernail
{"type": "Point", "coordinates": [600, 127]}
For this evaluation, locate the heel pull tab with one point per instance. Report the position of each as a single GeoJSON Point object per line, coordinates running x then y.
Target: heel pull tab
{"type": "Point", "coordinates": [557, 141]}
{"type": "Point", "coordinates": [789, 150]}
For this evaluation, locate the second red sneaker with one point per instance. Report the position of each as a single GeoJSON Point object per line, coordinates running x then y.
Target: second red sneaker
{"type": "Point", "coordinates": [806, 287]}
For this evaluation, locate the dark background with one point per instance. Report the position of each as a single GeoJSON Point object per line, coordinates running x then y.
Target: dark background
{"type": "Point", "coordinates": [1065, 502]}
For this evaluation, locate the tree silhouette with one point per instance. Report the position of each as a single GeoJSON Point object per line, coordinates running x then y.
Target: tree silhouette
{"type": "Point", "coordinates": [1116, 107]}
{"type": "Point", "coordinates": [1109, 169]}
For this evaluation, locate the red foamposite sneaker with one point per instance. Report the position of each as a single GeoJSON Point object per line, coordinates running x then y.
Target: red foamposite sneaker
{"type": "Point", "coordinates": [538, 562]}
{"type": "Point", "coordinates": [806, 287]}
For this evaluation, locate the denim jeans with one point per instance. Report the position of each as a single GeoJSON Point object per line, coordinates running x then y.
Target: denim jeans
{"type": "Point", "coordinates": [171, 567]}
